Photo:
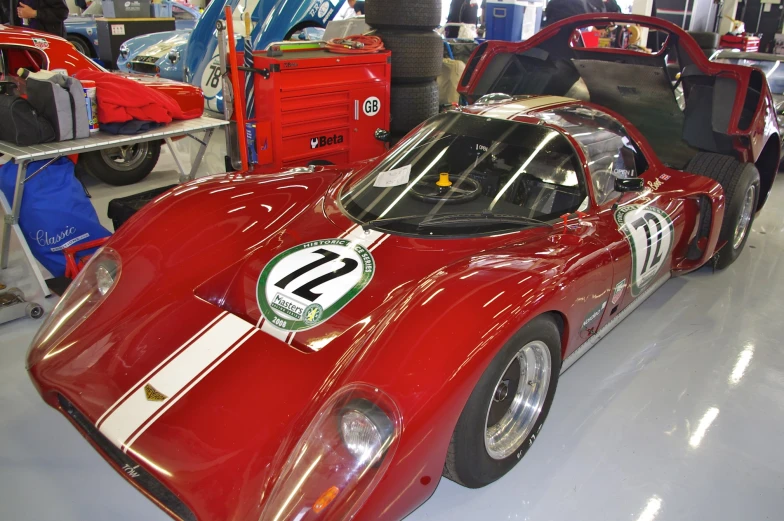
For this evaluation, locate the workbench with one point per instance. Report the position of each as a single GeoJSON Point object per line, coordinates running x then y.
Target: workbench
{"type": "Point", "coordinates": [100, 141]}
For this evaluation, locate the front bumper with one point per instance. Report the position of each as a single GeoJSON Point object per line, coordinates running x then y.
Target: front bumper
{"type": "Point", "coordinates": [127, 466]}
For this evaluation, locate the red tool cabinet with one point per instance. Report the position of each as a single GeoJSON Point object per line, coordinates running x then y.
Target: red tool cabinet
{"type": "Point", "coordinates": [316, 105]}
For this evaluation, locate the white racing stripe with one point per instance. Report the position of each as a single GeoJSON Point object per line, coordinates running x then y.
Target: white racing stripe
{"type": "Point", "coordinates": [134, 412]}
{"type": "Point", "coordinates": [165, 361]}
{"type": "Point", "coordinates": [519, 107]}
{"type": "Point", "coordinates": [170, 403]}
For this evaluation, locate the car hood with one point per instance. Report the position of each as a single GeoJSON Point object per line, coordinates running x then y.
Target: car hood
{"type": "Point", "coordinates": [172, 40]}
{"type": "Point", "coordinates": [181, 368]}
{"type": "Point", "coordinates": [80, 20]}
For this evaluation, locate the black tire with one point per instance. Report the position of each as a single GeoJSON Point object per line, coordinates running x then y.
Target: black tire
{"type": "Point", "coordinates": [81, 45]}
{"type": "Point", "coordinates": [416, 56]}
{"type": "Point", "coordinates": [419, 14]}
{"type": "Point", "coordinates": [34, 310]}
{"type": "Point", "coordinates": [118, 172]}
{"type": "Point", "coordinates": [737, 179]}
{"type": "Point", "coordinates": [468, 461]}
{"type": "Point", "coordinates": [411, 104]}
{"type": "Point", "coordinates": [706, 40]}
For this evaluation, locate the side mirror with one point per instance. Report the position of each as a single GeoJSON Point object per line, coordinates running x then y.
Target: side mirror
{"type": "Point", "coordinates": [634, 184]}
{"type": "Point", "coordinates": [383, 135]}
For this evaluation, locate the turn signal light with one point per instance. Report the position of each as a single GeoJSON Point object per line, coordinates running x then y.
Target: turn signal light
{"type": "Point", "coordinates": [325, 499]}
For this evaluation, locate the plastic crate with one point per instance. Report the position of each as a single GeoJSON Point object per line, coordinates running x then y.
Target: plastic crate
{"type": "Point", "coordinates": [120, 210]}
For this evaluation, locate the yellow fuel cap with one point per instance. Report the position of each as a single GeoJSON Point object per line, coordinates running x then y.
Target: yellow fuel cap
{"type": "Point", "coordinates": [443, 180]}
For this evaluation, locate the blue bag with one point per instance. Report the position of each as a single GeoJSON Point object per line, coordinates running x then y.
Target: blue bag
{"type": "Point", "coordinates": [56, 213]}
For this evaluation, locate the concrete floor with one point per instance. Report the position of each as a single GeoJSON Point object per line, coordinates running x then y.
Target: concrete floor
{"type": "Point", "coordinates": [677, 415]}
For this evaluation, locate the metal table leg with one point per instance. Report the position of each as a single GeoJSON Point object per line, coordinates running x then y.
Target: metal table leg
{"type": "Point", "coordinates": [12, 218]}
{"type": "Point", "coordinates": [203, 143]}
{"type": "Point", "coordinates": [11, 223]}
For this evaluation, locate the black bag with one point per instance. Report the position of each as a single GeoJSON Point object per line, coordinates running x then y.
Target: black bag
{"type": "Point", "coordinates": [22, 125]}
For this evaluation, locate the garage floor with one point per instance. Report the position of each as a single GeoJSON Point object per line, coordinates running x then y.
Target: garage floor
{"type": "Point", "coordinates": [677, 415]}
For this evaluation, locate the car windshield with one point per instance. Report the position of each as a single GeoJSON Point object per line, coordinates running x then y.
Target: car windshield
{"type": "Point", "coordinates": [773, 69]}
{"type": "Point", "coordinates": [463, 174]}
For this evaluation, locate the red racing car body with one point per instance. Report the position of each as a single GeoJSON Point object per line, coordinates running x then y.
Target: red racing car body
{"type": "Point", "coordinates": [34, 50]}
{"type": "Point", "coordinates": [326, 342]}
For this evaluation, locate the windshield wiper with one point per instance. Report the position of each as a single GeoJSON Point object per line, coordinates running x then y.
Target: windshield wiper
{"type": "Point", "coordinates": [456, 218]}
{"type": "Point", "coordinates": [378, 223]}
{"type": "Point", "coordinates": [484, 217]}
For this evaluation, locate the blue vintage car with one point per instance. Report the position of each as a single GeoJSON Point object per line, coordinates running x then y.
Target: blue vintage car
{"type": "Point", "coordinates": [192, 56]}
{"type": "Point", "coordinates": [82, 30]}
{"type": "Point", "coordinates": [157, 53]}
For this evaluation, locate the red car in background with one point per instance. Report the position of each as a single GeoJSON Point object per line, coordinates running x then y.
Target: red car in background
{"type": "Point", "coordinates": [327, 342]}
{"type": "Point", "coordinates": [34, 50]}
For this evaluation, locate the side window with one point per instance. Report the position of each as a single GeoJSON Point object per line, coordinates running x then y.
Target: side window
{"type": "Point", "coordinates": [612, 155]}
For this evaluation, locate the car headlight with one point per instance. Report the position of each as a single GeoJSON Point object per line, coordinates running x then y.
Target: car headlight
{"type": "Point", "coordinates": [93, 284]}
{"type": "Point", "coordinates": [124, 51]}
{"type": "Point", "coordinates": [365, 429]}
{"type": "Point", "coordinates": [174, 56]}
{"type": "Point", "coordinates": [340, 458]}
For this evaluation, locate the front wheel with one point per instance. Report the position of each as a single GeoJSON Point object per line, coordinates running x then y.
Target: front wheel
{"type": "Point", "coordinates": [123, 165]}
{"type": "Point", "coordinates": [508, 406]}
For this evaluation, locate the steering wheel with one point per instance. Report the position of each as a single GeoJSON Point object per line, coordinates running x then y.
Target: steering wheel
{"type": "Point", "coordinates": [432, 189]}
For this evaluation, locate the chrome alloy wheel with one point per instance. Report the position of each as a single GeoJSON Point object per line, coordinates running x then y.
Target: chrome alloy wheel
{"type": "Point", "coordinates": [517, 400]}
{"type": "Point", "coordinates": [742, 227]}
{"type": "Point", "coordinates": [126, 157]}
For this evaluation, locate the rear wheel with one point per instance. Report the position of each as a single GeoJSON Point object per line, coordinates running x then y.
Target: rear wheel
{"type": "Point", "coordinates": [741, 183]}
{"type": "Point", "coordinates": [80, 45]}
{"type": "Point", "coordinates": [124, 165]}
{"type": "Point", "coordinates": [508, 406]}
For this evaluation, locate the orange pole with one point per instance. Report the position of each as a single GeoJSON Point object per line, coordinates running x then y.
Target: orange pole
{"type": "Point", "coordinates": [239, 109]}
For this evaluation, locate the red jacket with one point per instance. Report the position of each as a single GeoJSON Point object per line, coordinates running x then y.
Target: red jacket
{"type": "Point", "coordinates": [121, 99]}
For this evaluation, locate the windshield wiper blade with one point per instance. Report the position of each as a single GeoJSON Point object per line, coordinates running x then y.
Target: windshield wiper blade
{"type": "Point", "coordinates": [377, 223]}
{"type": "Point", "coordinates": [484, 217]}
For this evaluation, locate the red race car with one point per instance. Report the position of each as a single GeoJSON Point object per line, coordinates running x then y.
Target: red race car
{"type": "Point", "coordinates": [327, 342]}
{"type": "Point", "coordinates": [33, 50]}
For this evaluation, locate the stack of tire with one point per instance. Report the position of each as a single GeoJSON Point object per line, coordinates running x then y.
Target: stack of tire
{"type": "Point", "coordinates": [407, 29]}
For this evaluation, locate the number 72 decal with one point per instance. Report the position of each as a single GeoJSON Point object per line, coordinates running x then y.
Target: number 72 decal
{"type": "Point", "coordinates": [307, 284]}
{"type": "Point", "coordinates": [650, 234]}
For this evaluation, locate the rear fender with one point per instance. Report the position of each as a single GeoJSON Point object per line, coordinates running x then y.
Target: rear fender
{"type": "Point", "coordinates": [698, 189]}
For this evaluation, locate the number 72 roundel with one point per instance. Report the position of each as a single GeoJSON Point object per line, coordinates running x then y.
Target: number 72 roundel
{"type": "Point", "coordinates": [650, 234]}
{"type": "Point", "coordinates": [307, 284]}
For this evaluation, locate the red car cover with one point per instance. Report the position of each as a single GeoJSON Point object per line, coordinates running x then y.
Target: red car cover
{"type": "Point", "coordinates": [121, 99]}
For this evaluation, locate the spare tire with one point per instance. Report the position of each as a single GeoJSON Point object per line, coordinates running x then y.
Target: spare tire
{"type": "Point", "coordinates": [741, 183]}
{"type": "Point", "coordinates": [416, 56]}
{"type": "Point", "coordinates": [706, 40]}
{"type": "Point", "coordinates": [411, 104]}
{"type": "Point", "coordinates": [420, 14]}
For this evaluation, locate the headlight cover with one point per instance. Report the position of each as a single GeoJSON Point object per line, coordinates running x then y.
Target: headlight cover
{"type": "Point", "coordinates": [174, 56]}
{"type": "Point", "coordinates": [340, 458]}
{"type": "Point", "coordinates": [93, 284]}
{"type": "Point", "coordinates": [124, 51]}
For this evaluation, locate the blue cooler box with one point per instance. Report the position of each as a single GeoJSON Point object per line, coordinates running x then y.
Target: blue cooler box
{"type": "Point", "coordinates": [512, 20]}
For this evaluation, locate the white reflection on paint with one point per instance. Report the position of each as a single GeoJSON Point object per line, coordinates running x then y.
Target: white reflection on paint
{"type": "Point", "coordinates": [702, 427]}
{"type": "Point", "coordinates": [744, 359]}
{"type": "Point", "coordinates": [651, 509]}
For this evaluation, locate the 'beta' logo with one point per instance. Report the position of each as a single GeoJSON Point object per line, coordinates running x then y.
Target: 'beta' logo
{"type": "Point", "coordinates": [324, 141]}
